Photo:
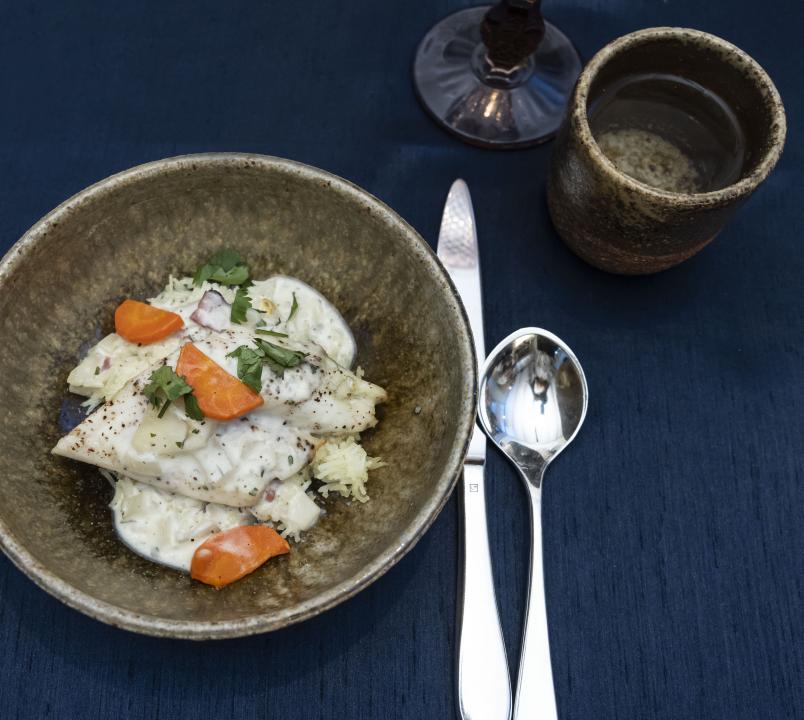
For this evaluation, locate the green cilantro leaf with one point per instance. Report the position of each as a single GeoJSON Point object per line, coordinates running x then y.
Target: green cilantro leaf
{"type": "Point", "coordinates": [225, 267]}
{"type": "Point", "coordinates": [203, 274]}
{"type": "Point", "coordinates": [251, 360]}
{"type": "Point", "coordinates": [249, 366]}
{"type": "Point", "coordinates": [164, 386]}
{"type": "Point", "coordinates": [240, 306]}
{"type": "Point", "coordinates": [293, 308]}
{"type": "Point", "coordinates": [272, 333]}
{"type": "Point", "coordinates": [276, 368]}
{"type": "Point", "coordinates": [278, 357]}
{"type": "Point", "coordinates": [226, 259]}
{"type": "Point", "coordinates": [192, 409]}
{"type": "Point", "coordinates": [235, 276]}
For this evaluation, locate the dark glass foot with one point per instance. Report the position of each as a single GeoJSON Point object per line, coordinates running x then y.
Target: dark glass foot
{"type": "Point", "coordinates": [483, 103]}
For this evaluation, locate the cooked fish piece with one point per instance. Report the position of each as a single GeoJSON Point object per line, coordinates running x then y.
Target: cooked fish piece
{"type": "Point", "coordinates": [318, 394]}
{"type": "Point", "coordinates": [229, 463]}
{"type": "Point", "coordinates": [232, 462]}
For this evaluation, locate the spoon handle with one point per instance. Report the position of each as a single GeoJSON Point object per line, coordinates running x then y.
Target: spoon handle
{"type": "Point", "coordinates": [535, 696]}
{"type": "Point", "coordinates": [484, 685]}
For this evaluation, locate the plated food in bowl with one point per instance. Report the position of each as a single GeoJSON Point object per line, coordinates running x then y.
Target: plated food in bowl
{"type": "Point", "coordinates": [225, 405]}
{"type": "Point", "coordinates": [119, 240]}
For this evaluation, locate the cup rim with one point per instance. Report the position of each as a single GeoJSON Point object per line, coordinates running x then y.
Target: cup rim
{"type": "Point", "coordinates": [746, 184]}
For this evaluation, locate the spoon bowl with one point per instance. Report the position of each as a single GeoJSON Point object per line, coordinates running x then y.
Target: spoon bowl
{"type": "Point", "coordinates": [533, 399]}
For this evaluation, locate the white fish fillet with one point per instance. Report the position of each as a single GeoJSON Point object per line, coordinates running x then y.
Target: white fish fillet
{"type": "Point", "coordinates": [239, 457]}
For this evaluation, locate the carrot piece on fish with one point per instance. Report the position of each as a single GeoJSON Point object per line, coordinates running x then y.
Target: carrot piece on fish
{"type": "Point", "coordinates": [220, 396]}
{"type": "Point", "coordinates": [229, 555]}
{"type": "Point", "coordinates": [139, 322]}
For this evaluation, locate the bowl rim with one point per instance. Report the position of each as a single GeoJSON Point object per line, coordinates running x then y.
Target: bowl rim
{"type": "Point", "coordinates": [205, 630]}
{"type": "Point", "coordinates": [578, 112]}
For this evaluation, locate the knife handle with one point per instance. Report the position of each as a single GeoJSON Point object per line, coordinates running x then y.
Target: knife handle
{"type": "Point", "coordinates": [484, 684]}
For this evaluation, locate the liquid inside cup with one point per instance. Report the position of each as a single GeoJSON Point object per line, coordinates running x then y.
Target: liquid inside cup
{"type": "Point", "coordinates": [668, 132]}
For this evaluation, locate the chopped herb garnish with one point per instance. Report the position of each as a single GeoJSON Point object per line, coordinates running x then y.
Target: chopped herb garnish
{"type": "Point", "coordinates": [281, 356]}
{"type": "Point", "coordinates": [293, 308]}
{"type": "Point", "coordinates": [225, 267]}
{"type": "Point", "coordinates": [249, 366]}
{"type": "Point", "coordinates": [261, 323]}
{"type": "Point", "coordinates": [180, 444]}
{"type": "Point", "coordinates": [152, 434]}
{"type": "Point", "coordinates": [251, 360]}
{"type": "Point", "coordinates": [272, 333]}
{"type": "Point", "coordinates": [164, 386]}
{"type": "Point", "coordinates": [97, 370]}
{"type": "Point", "coordinates": [192, 409]}
{"type": "Point", "coordinates": [290, 459]}
{"type": "Point", "coordinates": [240, 306]}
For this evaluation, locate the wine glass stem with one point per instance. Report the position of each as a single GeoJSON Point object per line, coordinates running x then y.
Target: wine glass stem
{"type": "Point", "coordinates": [511, 32]}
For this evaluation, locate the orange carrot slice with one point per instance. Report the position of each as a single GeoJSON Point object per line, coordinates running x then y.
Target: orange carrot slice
{"type": "Point", "coordinates": [220, 396]}
{"type": "Point", "coordinates": [139, 322]}
{"type": "Point", "coordinates": [229, 555]}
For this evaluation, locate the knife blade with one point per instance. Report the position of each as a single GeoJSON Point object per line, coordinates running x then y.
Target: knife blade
{"type": "Point", "coordinates": [457, 250]}
{"type": "Point", "coordinates": [483, 680]}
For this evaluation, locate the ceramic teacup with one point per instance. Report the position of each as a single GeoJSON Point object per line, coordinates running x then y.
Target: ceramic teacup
{"type": "Point", "coordinates": [632, 223]}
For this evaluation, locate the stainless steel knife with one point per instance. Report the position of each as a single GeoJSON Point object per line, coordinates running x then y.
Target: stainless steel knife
{"type": "Point", "coordinates": [483, 681]}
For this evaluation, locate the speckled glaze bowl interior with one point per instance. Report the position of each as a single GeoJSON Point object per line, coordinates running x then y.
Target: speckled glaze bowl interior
{"type": "Point", "coordinates": [121, 238]}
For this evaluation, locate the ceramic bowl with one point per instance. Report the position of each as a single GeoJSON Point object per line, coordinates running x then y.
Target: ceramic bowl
{"type": "Point", "coordinates": [121, 238]}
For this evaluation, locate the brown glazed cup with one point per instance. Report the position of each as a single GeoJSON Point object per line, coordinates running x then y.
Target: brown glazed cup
{"type": "Point", "coordinates": [622, 225]}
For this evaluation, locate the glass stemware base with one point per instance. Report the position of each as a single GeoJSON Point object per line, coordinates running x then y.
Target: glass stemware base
{"type": "Point", "coordinates": [487, 105]}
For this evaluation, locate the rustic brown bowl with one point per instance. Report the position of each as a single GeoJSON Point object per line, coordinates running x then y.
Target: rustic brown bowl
{"type": "Point", "coordinates": [622, 225]}
{"type": "Point", "coordinates": [121, 237]}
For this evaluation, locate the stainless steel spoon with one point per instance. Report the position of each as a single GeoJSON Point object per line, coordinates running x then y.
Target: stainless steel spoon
{"type": "Point", "coordinates": [533, 399]}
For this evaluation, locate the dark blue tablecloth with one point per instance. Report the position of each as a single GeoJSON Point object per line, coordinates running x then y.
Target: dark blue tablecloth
{"type": "Point", "coordinates": [674, 529]}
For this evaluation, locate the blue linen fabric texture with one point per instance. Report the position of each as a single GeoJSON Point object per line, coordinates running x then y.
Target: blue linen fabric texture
{"type": "Point", "coordinates": [674, 528]}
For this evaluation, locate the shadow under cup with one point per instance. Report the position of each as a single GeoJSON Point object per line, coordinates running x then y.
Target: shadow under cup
{"type": "Point", "coordinates": [668, 131]}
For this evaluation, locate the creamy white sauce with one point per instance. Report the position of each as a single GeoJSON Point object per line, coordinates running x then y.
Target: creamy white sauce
{"type": "Point", "coordinates": [288, 503]}
{"type": "Point", "coordinates": [180, 480]}
{"type": "Point", "coordinates": [167, 528]}
{"type": "Point", "coordinates": [315, 318]}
